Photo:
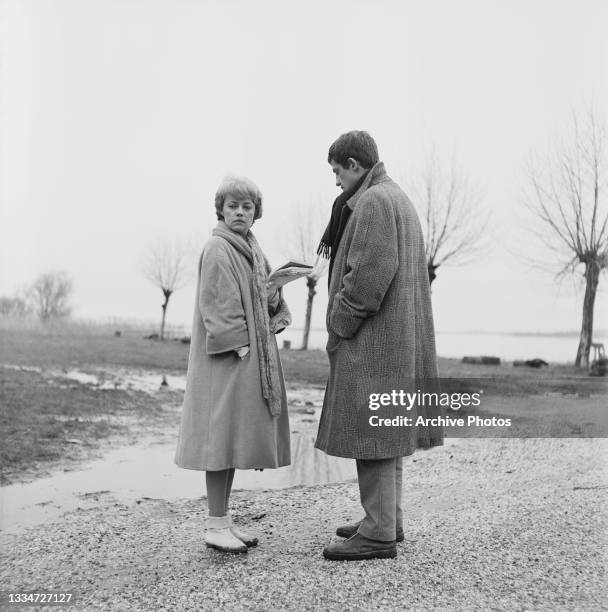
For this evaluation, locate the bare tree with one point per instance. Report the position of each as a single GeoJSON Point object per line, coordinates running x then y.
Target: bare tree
{"type": "Point", "coordinates": [14, 306]}
{"type": "Point", "coordinates": [451, 215]}
{"type": "Point", "coordinates": [165, 266]}
{"type": "Point", "coordinates": [51, 294]}
{"type": "Point", "coordinates": [302, 242]}
{"type": "Point", "coordinates": [567, 198]}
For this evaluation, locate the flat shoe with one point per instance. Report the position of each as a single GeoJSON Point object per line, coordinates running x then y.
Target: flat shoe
{"type": "Point", "coordinates": [241, 549]}
{"type": "Point", "coordinates": [224, 541]}
{"type": "Point", "coordinates": [247, 538]}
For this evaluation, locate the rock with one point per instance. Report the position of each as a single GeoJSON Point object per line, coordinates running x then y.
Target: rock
{"type": "Point", "coordinates": [531, 363]}
{"type": "Point", "coordinates": [482, 360]}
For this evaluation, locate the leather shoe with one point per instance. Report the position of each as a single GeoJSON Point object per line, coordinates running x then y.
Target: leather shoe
{"type": "Point", "coordinates": [358, 548]}
{"type": "Point", "coordinates": [347, 531]}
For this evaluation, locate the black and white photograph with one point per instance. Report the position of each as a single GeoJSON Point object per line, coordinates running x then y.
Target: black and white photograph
{"type": "Point", "coordinates": [303, 305]}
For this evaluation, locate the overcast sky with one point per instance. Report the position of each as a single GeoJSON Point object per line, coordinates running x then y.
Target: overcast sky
{"type": "Point", "coordinates": [119, 119]}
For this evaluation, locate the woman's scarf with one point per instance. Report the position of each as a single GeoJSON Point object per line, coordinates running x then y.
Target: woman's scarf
{"type": "Point", "coordinates": [340, 212]}
{"type": "Point", "coordinates": [265, 326]}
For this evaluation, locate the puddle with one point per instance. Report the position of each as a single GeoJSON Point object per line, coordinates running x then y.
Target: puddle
{"type": "Point", "coordinates": [110, 378]}
{"type": "Point", "coordinates": [148, 382]}
{"type": "Point", "coordinates": [23, 368]}
{"type": "Point", "coordinates": [146, 471]}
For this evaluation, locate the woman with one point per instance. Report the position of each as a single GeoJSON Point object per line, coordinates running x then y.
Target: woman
{"type": "Point", "coordinates": [235, 407]}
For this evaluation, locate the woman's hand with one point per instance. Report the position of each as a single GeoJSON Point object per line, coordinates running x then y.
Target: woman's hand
{"type": "Point", "coordinates": [274, 297]}
{"type": "Point", "coordinates": [271, 288]}
{"type": "Point", "coordinates": [242, 352]}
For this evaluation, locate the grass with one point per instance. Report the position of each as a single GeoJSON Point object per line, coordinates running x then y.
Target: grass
{"type": "Point", "coordinates": [508, 381]}
{"type": "Point", "coordinates": [38, 347]}
{"type": "Point", "coordinates": [30, 425]}
{"type": "Point", "coordinates": [46, 425]}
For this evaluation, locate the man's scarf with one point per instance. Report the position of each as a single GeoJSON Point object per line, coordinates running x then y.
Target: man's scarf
{"type": "Point", "coordinates": [340, 212]}
{"type": "Point", "coordinates": [265, 326]}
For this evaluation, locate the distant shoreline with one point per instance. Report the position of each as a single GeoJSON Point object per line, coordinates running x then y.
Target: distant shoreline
{"type": "Point", "coordinates": [600, 333]}
{"type": "Point", "coordinates": [179, 328]}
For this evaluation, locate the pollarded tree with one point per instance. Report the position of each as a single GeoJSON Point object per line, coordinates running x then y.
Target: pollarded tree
{"type": "Point", "coordinates": [166, 265]}
{"type": "Point", "coordinates": [451, 216]}
{"type": "Point", "coordinates": [567, 196]}
{"type": "Point", "coordinates": [307, 225]}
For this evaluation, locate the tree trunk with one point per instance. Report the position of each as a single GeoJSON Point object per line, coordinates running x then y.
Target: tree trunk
{"type": "Point", "coordinates": [167, 295]}
{"type": "Point", "coordinates": [311, 283]}
{"type": "Point", "coordinates": [431, 270]}
{"type": "Point", "coordinates": [592, 276]}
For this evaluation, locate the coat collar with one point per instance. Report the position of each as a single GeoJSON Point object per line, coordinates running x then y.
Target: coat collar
{"type": "Point", "coordinates": [237, 241]}
{"type": "Point", "coordinates": [377, 174]}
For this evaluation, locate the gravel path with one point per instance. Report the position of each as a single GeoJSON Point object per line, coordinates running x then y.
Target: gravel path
{"type": "Point", "coordinates": [490, 525]}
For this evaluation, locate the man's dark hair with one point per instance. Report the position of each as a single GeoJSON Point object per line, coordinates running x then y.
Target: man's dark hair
{"type": "Point", "coordinates": [357, 144]}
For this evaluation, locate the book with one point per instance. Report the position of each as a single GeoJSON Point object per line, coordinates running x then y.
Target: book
{"type": "Point", "coordinates": [289, 272]}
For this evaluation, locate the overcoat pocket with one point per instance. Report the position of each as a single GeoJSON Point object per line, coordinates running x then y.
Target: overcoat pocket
{"type": "Point", "coordinates": [333, 342]}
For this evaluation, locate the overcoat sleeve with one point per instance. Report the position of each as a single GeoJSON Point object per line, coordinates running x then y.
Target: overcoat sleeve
{"type": "Point", "coordinates": [371, 264]}
{"type": "Point", "coordinates": [273, 302]}
{"type": "Point", "coordinates": [220, 304]}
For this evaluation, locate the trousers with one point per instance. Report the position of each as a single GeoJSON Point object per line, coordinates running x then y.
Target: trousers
{"type": "Point", "coordinates": [380, 488]}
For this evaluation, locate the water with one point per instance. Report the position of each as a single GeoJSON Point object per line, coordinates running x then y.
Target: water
{"type": "Point", "coordinates": [146, 471]}
{"type": "Point", "coordinates": [104, 378]}
{"type": "Point", "coordinates": [554, 349]}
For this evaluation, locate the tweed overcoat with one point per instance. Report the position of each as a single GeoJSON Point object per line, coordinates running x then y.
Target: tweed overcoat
{"type": "Point", "coordinates": [380, 325]}
{"type": "Point", "coordinates": [226, 422]}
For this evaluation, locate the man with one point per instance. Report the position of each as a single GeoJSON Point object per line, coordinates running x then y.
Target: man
{"type": "Point", "coordinates": [381, 341]}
